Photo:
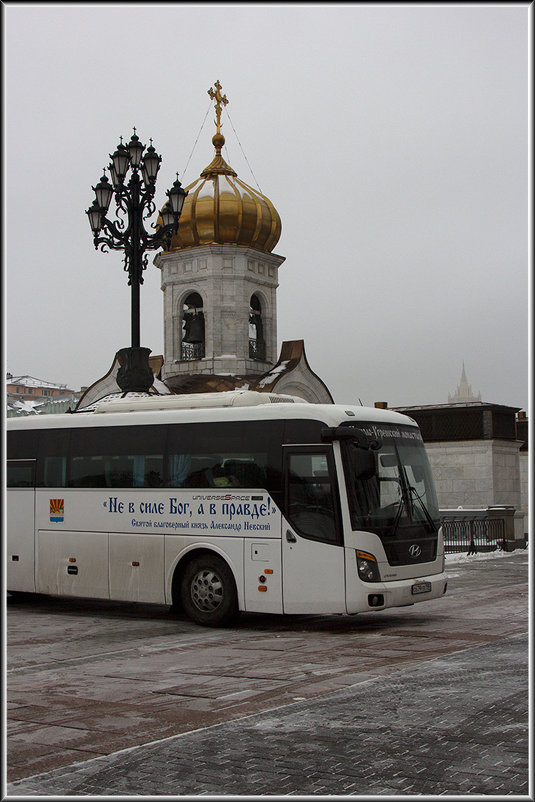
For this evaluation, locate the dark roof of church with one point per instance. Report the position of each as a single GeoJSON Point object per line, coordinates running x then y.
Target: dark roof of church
{"type": "Point", "coordinates": [291, 355]}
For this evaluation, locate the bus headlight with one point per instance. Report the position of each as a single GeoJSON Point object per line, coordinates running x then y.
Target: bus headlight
{"type": "Point", "coordinates": [367, 567]}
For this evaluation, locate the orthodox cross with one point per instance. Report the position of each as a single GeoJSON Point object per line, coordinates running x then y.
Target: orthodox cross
{"type": "Point", "coordinates": [219, 99]}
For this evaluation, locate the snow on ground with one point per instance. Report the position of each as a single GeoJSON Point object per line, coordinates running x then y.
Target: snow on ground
{"type": "Point", "coordinates": [463, 557]}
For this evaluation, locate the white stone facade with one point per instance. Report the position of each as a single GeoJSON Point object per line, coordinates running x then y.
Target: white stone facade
{"type": "Point", "coordinates": [477, 473]}
{"type": "Point", "coordinates": [524, 487]}
{"type": "Point", "coordinates": [226, 277]}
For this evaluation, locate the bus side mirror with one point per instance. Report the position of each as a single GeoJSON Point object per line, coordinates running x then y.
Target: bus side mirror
{"type": "Point", "coordinates": [362, 448]}
{"type": "Point", "coordinates": [357, 437]}
{"type": "Point", "coordinates": [363, 463]}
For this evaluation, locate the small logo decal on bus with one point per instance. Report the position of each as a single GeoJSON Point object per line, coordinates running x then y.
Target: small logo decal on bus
{"type": "Point", "coordinates": [56, 510]}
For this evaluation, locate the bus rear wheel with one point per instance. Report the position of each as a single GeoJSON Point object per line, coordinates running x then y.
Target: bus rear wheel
{"type": "Point", "coordinates": [208, 591]}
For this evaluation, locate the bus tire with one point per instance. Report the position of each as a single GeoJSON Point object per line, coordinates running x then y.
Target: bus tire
{"type": "Point", "coordinates": [208, 591]}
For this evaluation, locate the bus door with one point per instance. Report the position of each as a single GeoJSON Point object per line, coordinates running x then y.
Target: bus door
{"type": "Point", "coordinates": [312, 545]}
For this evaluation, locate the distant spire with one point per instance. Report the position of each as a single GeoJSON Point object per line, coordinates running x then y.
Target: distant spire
{"type": "Point", "coordinates": [464, 393]}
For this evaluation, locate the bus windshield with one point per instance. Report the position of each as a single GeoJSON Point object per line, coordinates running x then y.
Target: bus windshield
{"type": "Point", "coordinates": [398, 497]}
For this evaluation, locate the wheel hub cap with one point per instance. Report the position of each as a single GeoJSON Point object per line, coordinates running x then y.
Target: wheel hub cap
{"type": "Point", "coordinates": [206, 590]}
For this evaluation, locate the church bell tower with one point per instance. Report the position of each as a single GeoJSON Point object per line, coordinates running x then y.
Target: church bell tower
{"type": "Point", "coordinates": [219, 278]}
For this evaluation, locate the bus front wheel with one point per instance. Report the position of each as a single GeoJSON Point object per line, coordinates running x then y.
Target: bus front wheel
{"type": "Point", "coordinates": [208, 591]}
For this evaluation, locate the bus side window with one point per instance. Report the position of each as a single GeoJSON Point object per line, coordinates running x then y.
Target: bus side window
{"type": "Point", "coordinates": [52, 464]}
{"type": "Point", "coordinates": [247, 472]}
{"type": "Point", "coordinates": [54, 471]}
{"type": "Point", "coordinates": [119, 471]}
{"type": "Point", "coordinates": [243, 454]}
{"type": "Point", "coordinates": [20, 473]}
{"type": "Point", "coordinates": [86, 472]}
{"type": "Point", "coordinates": [218, 470]}
{"type": "Point", "coordinates": [179, 468]}
{"type": "Point", "coordinates": [22, 445]}
{"type": "Point", "coordinates": [127, 456]}
{"type": "Point", "coordinates": [148, 470]}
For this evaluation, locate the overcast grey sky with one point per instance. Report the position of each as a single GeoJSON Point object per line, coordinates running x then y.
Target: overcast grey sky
{"type": "Point", "coordinates": [392, 139]}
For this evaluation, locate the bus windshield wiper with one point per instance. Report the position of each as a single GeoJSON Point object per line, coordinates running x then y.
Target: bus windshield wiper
{"type": "Point", "coordinates": [404, 500]}
{"type": "Point", "coordinates": [398, 516]}
{"type": "Point", "coordinates": [423, 506]}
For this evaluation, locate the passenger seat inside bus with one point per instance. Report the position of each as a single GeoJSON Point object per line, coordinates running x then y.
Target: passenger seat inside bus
{"type": "Point", "coordinates": [248, 474]}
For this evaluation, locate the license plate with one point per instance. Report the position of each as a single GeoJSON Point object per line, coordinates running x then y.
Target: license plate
{"type": "Point", "coordinates": [421, 587]}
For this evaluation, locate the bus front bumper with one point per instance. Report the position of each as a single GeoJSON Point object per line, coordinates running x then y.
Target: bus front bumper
{"type": "Point", "coordinates": [405, 592]}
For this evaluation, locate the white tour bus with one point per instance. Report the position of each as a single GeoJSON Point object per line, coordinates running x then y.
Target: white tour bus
{"type": "Point", "coordinates": [224, 502]}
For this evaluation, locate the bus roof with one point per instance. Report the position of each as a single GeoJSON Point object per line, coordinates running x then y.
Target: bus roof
{"type": "Point", "coordinates": [208, 407]}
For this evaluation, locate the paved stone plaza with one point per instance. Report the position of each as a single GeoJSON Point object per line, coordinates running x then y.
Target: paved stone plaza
{"type": "Point", "coordinates": [455, 725]}
{"type": "Point", "coordinates": [442, 710]}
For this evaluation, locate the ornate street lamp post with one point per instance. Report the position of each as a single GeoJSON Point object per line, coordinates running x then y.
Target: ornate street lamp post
{"type": "Point", "coordinates": [134, 204]}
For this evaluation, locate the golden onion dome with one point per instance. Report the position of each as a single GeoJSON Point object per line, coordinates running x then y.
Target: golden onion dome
{"type": "Point", "coordinates": [221, 209]}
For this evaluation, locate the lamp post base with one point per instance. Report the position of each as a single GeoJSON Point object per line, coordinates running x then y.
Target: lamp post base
{"type": "Point", "coordinates": [135, 374]}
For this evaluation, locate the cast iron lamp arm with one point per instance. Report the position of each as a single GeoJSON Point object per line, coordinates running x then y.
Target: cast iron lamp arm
{"type": "Point", "coordinates": [117, 239]}
{"type": "Point", "coordinates": [134, 204]}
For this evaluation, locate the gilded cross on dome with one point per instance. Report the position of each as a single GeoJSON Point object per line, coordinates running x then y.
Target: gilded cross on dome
{"type": "Point", "coordinates": [219, 100]}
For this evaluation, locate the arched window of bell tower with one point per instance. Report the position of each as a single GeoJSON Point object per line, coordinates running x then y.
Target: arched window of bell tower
{"type": "Point", "coordinates": [257, 342]}
{"type": "Point", "coordinates": [192, 328]}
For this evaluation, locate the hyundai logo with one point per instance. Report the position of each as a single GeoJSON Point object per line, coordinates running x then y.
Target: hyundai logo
{"type": "Point", "coordinates": [414, 551]}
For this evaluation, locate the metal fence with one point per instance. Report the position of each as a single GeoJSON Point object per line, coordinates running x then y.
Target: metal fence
{"type": "Point", "coordinates": [257, 349]}
{"type": "Point", "coordinates": [191, 351]}
{"type": "Point", "coordinates": [473, 535]}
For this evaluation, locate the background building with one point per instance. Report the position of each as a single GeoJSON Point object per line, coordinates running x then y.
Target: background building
{"type": "Point", "coordinates": [27, 395]}
{"type": "Point", "coordinates": [478, 453]}
{"type": "Point", "coordinates": [463, 392]}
